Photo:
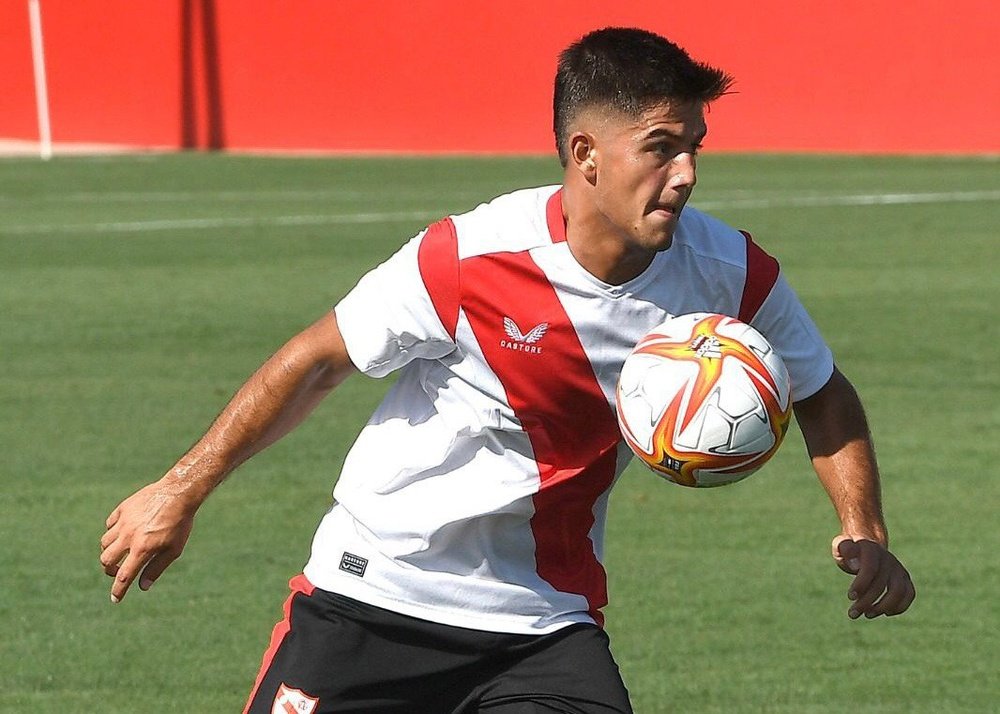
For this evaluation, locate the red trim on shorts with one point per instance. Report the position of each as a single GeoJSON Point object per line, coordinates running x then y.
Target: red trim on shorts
{"type": "Point", "coordinates": [554, 217]}
{"type": "Point", "coordinates": [551, 386]}
{"type": "Point", "coordinates": [762, 274]}
{"type": "Point", "coordinates": [437, 258]}
{"type": "Point", "coordinates": [298, 584]}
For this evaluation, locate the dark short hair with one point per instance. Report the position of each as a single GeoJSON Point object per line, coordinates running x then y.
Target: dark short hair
{"type": "Point", "coordinates": [628, 70]}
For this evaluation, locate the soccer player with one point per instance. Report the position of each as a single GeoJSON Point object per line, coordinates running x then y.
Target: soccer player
{"type": "Point", "coordinates": [460, 567]}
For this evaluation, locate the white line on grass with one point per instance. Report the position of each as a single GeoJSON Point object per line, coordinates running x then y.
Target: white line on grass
{"type": "Point", "coordinates": [876, 199]}
{"type": "Point", "coordinates": [180, 224]}
{"type": "Point", "coordinates": [182, 196]}
{"type": "Point", "coordinates": [172, 224]}
{"type": "Point", "coordinates": [209, 195]}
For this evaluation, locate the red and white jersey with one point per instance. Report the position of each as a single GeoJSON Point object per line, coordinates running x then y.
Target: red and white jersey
{"type": "Point", "coordinates": [476, 495]}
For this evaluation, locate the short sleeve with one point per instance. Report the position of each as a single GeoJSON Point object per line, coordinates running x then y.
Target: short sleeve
{"type": "Point", "coordinates": [390, 319]}
{"type": "Point", "coordinates": [783, 320]}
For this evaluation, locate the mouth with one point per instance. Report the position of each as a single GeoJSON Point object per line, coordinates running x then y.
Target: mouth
{"type": "Point", "coordinates": [666, 210]}
{"type": "Point", "coordinates": [670, 205]}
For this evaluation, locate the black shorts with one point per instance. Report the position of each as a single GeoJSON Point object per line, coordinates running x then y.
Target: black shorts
{"type": "Point", "coordinates": [335, 654]}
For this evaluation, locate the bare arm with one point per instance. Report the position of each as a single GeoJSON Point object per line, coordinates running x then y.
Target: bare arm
{"type": "Point", "coordinates": [148, 530]}
{"type": "Point", "coordinates": [836, 433]}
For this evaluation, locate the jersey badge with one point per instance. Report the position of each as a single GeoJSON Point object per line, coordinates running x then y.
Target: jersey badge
{"type": "Point", "coordinates": [293, 701]}
{"type": "Point", "coordinates": [353, 564]}
{"type": "Point", "coordinates": [521, 342]}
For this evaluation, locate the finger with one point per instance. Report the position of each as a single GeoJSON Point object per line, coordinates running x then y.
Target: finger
{"type": "Point", "coordinates": [887, 603]}
{"type": "Point", "coordinates": [868, 556]}
{"type": "Point", "coordinates": [864, 603]}
{"type": "Point", "coordinates": [867, 598]}
{"type": "Point", "coordinates": [112, 556]}
{"type": "Point", "coordinates": [155, 567]}
{"type": "Point", "coordinates": [906, 601]}
{"type": "Point", "coordinates": [113, 518]}
{"type": "Point", "coordinates": [126, 574]}
{"type": "Point", "coordinates": [110, 536]}
{"type": "Point", "coordinates": [898, 595]}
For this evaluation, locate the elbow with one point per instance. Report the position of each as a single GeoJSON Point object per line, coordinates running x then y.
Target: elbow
{"type": "Point", "coordinates": [328, 374]}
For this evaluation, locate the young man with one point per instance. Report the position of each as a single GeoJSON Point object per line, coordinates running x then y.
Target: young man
{"type": "Point", "coordinates": [460, 570]}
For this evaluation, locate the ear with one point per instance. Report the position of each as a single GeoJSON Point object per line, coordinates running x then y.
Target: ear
{"type": "Point", "coordinates": [583, 154]}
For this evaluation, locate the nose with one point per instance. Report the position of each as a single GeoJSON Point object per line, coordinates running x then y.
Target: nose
{"type": "Point", "coordinates": [683, 172]}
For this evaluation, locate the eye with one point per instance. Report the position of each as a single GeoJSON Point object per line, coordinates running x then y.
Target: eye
{"type": "Point", "coordinates": [664, 149]}
{"type": "Point", "coordinates": [668, 150]}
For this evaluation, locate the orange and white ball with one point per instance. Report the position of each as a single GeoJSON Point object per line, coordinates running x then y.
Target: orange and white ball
{"type": "Point", "coordinates": [703, 400]}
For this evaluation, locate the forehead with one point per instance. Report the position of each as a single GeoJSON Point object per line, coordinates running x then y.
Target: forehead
{"type": "Point", "coordinates": [674, 118]}
{"type": "Point", "coordinates": [679, 117]}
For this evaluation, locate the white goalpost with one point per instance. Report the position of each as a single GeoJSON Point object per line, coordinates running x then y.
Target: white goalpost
{"type": "Point", "coordinates": [41, 87]}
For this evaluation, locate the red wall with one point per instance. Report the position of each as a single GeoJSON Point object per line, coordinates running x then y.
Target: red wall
{"type": "Point", "coordinates": [917, 76]}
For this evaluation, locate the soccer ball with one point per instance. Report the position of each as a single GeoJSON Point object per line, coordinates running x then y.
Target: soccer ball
{"type": "Point", "coordinates": [703, 400]}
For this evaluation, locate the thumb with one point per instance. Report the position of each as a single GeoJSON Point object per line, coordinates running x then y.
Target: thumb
{"type": "Point", "coordinates": [847, 553]}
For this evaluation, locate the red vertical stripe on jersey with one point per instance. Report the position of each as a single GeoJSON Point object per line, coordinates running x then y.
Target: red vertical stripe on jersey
{"type": "Point", "coordinates": [554, 217]}
{"type": "Point", "coordinates": [762, 273]}
{"type": "Point", "coordinates": [437, 258]}
{"type": "Point", "coordinates": [551, 386]}
{"type": "Point", "coordinates": [298, 584]}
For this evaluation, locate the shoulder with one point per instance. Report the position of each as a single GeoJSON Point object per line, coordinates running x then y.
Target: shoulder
{"type": "Point", "coordinates": [513, 222]}
{"type": "Point", "coordinates": [718, 250]}
{"type": "Point", "coordinates": [711, 239]}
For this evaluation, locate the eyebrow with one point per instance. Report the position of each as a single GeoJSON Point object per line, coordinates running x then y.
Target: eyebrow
{"type": "Point", "coordinates": [660, 132]}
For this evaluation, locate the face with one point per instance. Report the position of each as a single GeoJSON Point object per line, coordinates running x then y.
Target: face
{"type": "Point", "coordinates": [642, 170]}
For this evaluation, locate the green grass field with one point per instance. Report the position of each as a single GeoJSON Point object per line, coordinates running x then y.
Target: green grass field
{"type": "Point", "coordinates": [136, 293]}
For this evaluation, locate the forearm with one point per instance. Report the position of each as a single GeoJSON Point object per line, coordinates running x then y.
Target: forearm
{"type": "Point", "coordinates": [836, 432]}
{"type": "Point", "coordinates": [272, 402]}
{"type": "Point", "coordinates": [850, 477]}
{"type": "Point", "coordinates": [279, 395]}
{"type": "Point", "coordinates": [148, 530]}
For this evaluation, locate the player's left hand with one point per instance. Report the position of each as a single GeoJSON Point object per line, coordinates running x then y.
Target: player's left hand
{"type": "Point", "coordinates": [881, 585]}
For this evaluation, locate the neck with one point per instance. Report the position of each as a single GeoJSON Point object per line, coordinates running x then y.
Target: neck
{"type": "Point", "coordinates": [599, 247]}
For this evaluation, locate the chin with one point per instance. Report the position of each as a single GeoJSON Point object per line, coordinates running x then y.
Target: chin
{"type": "Point", "coordinates": [660, 240]}
{"type": "Point", "coordinates": [660, 235]}
{"type": "Point", "coordinates": [664, 244]}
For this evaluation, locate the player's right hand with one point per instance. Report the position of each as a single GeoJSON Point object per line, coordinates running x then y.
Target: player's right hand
{"type": "Point", "coordinates": [145, 534]}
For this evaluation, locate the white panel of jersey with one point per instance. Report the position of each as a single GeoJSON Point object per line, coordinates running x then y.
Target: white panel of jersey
{"type": "Point", "coordinates": [476, 495]}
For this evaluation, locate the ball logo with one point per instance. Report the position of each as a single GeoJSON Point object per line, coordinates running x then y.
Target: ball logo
{"type": "Point", "coordinates": [293, 701]}
{"type": "Point", "coordinates": [707, 346]}
{"type": "Point", "coordinates": [520, 342]}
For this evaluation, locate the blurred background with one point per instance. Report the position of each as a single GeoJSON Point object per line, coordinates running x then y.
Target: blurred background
{"type": "Point", "coordinates": [444, 75]}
